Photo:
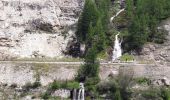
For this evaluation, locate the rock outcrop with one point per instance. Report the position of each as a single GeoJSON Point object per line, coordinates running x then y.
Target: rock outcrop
{"type": "Point", "coordinates": [29, 26]}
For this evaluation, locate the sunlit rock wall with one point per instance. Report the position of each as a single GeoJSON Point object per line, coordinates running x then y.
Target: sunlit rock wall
{"type": "Point", "coordinates": [31, 28]}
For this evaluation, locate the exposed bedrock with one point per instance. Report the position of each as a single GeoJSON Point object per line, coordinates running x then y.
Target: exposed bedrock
{"type": "Point", "coordinates": [28, 26]}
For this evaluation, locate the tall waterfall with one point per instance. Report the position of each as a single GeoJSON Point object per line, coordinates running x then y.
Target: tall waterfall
{"type": "Point", "coordinates": [81, 92]}
{"type": "Point", "coordinates": [117, 52]}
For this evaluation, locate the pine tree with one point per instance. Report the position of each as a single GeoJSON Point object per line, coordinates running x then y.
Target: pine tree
{"type": "Point", "coordinates": [129, 8]}
{"type": "Point", "coordinates": [100, 37]}
{"type": "Point", "coordinates": [89, 15]}
{"type": "Point", "coordinates": [104, 6]}
{"type": "Point", "coordinates": [91, 67]}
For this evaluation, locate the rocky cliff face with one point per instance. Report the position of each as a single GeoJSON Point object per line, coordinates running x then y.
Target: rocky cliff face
{"type": "Point", "coordinates": [36, 28]}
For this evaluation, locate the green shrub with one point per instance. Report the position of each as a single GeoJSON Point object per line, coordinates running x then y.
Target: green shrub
{"type": "Point", "coordinates": [102, 55]}
{"type": "Point", "coordinates": [36, 85]}
{"type": "Point", "coordinates": [29, 86]}
{"type": "Point", "coordinates": [45, 96]}
{"type": "Point", "coordinates": [142, 80]}
{"type": "Point", "coordinates": [151, 93]}
{"type": "Point", "coordinates": [127, 57]}
{"type": "Point", "coordinates": [73, 85]}
{"type": "Point", "coordinates": [65, 85]}
{"type": "Point", "coordinates": [55, 85]}
{"type": "Point", "coordinates": [165, 94]}
{"type": "Point", "coordinates": [91, 85]}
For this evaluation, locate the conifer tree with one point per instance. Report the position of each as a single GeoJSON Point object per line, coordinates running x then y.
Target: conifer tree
{"type": "Point", "coordinates": [100, 37]}
{"type": "Point", "coordinates": [129, 8]}
{"type": "Point", "coordinates": [89, 15]}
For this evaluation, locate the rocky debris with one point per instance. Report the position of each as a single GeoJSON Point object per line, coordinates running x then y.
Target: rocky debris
{"type": "Point", "coordinates": [166, 81]}
{"type": "Point", "coordinates": [5, 42]}
{"type": "Point", "coordinates": [161, 82]}
{"type": "Point", "coordinates": [26, 25]}
{"type": "Point", "coordinates": [63, 93]}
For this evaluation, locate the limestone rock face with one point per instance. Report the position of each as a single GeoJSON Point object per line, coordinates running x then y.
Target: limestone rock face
{"type": "Point", "coordinates": [29, 26]}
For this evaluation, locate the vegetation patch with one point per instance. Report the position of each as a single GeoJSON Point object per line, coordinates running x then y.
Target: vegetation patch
{"type": "Point", "coordinates": [64, 85]}
{"type": "Point", "coordinates": [142, 80]}
{"type": "Point", "coordinates": [127, 57]}
{"type": "Point", "coordinates": [152, 93]}
{"type": "Point", "coordinates": [59, 85]}
{"type": "Point", "coordinates": [102, 55]}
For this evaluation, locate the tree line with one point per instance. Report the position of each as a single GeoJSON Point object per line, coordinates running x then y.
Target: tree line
{"type": "Point", "coordinates": [144, 17]}
{"type": "Point", "coordinates": [92, 29]}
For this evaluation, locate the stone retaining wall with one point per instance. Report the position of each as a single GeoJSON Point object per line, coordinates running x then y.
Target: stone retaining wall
{"type": "Point", "coordinates": [22, 73]}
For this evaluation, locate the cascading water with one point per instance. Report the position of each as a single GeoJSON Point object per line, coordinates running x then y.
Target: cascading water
{"type": "Point", "coordinates": [117, 52]}
{"type": "Point", "coordinates": [74, 94]}
{"type": "Point", "coordinates": [112, 18]}
{"type": "Point", "coordinates": [81, 92]}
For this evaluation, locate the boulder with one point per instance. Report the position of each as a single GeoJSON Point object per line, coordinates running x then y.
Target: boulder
{"type": "Point", "coordinates": [63, 93]}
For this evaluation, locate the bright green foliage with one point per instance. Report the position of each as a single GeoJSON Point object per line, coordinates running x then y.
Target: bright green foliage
{"type": "Point", "coordinates": [66, 85]}
{"type": "Point", "coordinates": [142, 80]}
{"type": "Point", "coordinates": [72, 85]}
{"type": "Point", "coordinates": [127, 57]}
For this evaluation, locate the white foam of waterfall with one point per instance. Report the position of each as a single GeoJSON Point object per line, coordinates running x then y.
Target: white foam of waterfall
{"type": "Point", "coordinates": [81, 92]}
{"type": "Point", "coordinates": [74, 94]}
{"type": "Point", "coordinates": [117, 52]}
{"type": "Point", "coordinates": [111, 19]}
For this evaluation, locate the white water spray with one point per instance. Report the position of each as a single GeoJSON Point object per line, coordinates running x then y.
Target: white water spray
{"type": "Point", "coordinates": [117, 52]}
{"type": "Point", "coordinates": [81, 92]}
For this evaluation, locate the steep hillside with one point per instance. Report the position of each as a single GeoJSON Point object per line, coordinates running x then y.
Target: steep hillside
{"type": "Point", "coordinates": [36, 28]}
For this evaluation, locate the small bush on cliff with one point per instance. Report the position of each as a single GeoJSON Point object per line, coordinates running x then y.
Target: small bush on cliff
{"type": "Point", "coordinates": [63, 85]}
{"type": "Point", "coordinates": [73, 85]}
{"type": "Point", "coordinates": [127, 57]}
{"type": "Point", "coordinates": [151, 94]}
{"type": "Point", "coordinates": [165, 93]}
{"type": "Point", "coordinates": [55, 85]}
{"type": "Point", "coordinates": [29, 86]}
{"type": "Point", "coordinates": [142, 80]}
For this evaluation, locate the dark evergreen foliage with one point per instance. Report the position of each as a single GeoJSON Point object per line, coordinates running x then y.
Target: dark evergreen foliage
{"type": "Point", "coordinates": [144, 17]}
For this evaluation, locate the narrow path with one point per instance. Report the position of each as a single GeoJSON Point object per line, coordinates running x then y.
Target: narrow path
{"type": "Point", "coordinates": [73, 63]}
